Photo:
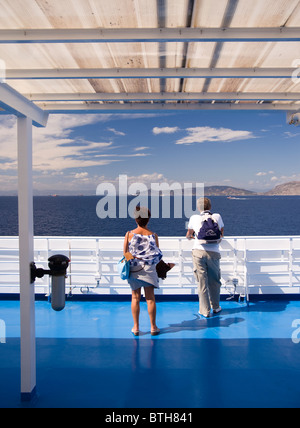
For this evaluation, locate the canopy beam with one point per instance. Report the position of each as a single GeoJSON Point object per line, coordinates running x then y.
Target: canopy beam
{"type": "Point", "coordinates": [165, 96]}
{"type": "Point", "coordinates": [12, 102]}
{"type": "Point", "coordinates": [107, 35]}
{"type": "Point", "coordinates": [84, 108]}
{"type": "Point", "coordinates": [151, 73]}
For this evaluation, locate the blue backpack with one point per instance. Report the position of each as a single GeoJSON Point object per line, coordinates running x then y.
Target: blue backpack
{"type": "Point", "coordinates": [209, 231]}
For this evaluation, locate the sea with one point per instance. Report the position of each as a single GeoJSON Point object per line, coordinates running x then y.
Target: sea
{"type": "Point", "coordinates": [77, 216]}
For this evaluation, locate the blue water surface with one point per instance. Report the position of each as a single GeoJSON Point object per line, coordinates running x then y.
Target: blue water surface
{"type": "Point", "coordinates": [76, 216]}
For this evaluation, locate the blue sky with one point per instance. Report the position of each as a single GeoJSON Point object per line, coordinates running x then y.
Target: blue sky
{"type": "Point", "coordinates": [255, 150]}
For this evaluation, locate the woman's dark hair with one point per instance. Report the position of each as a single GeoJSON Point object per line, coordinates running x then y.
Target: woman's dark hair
{"type": "Point", "coordinates": [142, 216]}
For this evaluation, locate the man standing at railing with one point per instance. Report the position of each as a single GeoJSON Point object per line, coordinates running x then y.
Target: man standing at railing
{"type": "Point", "coordinates": [207, 230]}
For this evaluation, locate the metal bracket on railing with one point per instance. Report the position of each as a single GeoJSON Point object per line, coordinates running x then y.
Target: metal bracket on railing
{"type": "Point", "coordinates": [37, 272]}
{"type": "Point", "coordinates": [58, 265]}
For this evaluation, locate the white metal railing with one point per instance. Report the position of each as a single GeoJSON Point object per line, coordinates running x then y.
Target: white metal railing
{"type": "Point", "coordinates": [268, 265]}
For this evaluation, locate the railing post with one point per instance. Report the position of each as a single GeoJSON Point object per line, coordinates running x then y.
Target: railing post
{"type": "Point", "coordinates": [291, 262]}
{"type": "Point", "coordinates": [98, 261]}
{"type": "Point", "coordinates": [246, 285]}
{"type": "Point", "coordinates": [49, 279]}
{"type": "Point", "coordinates": [180, 262]}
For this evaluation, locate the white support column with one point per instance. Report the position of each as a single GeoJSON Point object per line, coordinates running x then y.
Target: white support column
{"type": "Point", "coordinates": [26, 237]}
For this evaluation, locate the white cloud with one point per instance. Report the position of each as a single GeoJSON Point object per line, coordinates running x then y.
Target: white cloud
{"type": "Point", "coordinates": [8, 166]}
{"type": "Point", "coordinates": [8, 183]}
{"type": "Point", "coordinates": [291, 134]}
{"type": "Point", "coordinates": [81, 175]}
{"type": "Point", "coordinates": [118, 133]}
{"type": "Point", "coordinates": [59, 148]}
{"type": "Point", "coordinates": [165, 130]}
{"type": "Point", "coordinates": [264, 174]}
{"type": "Point", "coordinates": [261, 174]}
{"type": "Point", "coordinates": [8, 143]}
{"type": "Point", "coordinates": [134, 155]}
{"type": "Point", "coordinates": [146, 179]}
{"type": "Point", "coordinates": [139, 149]}
{"type": "Point", "coordinates": [205, 133]}
{"type": "Point", "coordinates": [54, 147]}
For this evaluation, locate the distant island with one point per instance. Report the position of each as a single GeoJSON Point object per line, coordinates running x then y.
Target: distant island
{"type": "Point", "coordinates": [291, 188]}
{"type": "Point", "coordinates": [226, 191]}
{"type": "Point", "coordinates": [288, 189]}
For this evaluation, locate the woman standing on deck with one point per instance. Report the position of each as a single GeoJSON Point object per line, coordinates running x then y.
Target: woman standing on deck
{"type": "Point", "coordinates": [142, 247]}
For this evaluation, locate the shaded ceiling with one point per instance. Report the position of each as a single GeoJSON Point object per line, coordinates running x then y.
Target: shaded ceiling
{"type": "Point", "coordinates": [89, 55]}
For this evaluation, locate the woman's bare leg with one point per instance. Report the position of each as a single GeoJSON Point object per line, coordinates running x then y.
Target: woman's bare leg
{"type": "Point", "coordinates": [150, 298]}
{"type": "Point", "coordinates": [135, 308]}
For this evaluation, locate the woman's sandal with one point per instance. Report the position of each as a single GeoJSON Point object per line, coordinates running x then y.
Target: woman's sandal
{"type": "Point", "coordinates": [155, 332]}
{"type": "Point", "coordinates": [135, 332]}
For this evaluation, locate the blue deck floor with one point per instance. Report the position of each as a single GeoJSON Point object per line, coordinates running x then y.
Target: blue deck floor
{"type": "Point", "coordinates": [87, 357]}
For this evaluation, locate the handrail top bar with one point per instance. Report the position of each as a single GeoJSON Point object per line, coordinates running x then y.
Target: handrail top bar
{"type": "Point", "coordinates": [161, 237]}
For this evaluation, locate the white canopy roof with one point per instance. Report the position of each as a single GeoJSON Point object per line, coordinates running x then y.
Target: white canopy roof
{"type": "Point", "coordinates": [91, 55]}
